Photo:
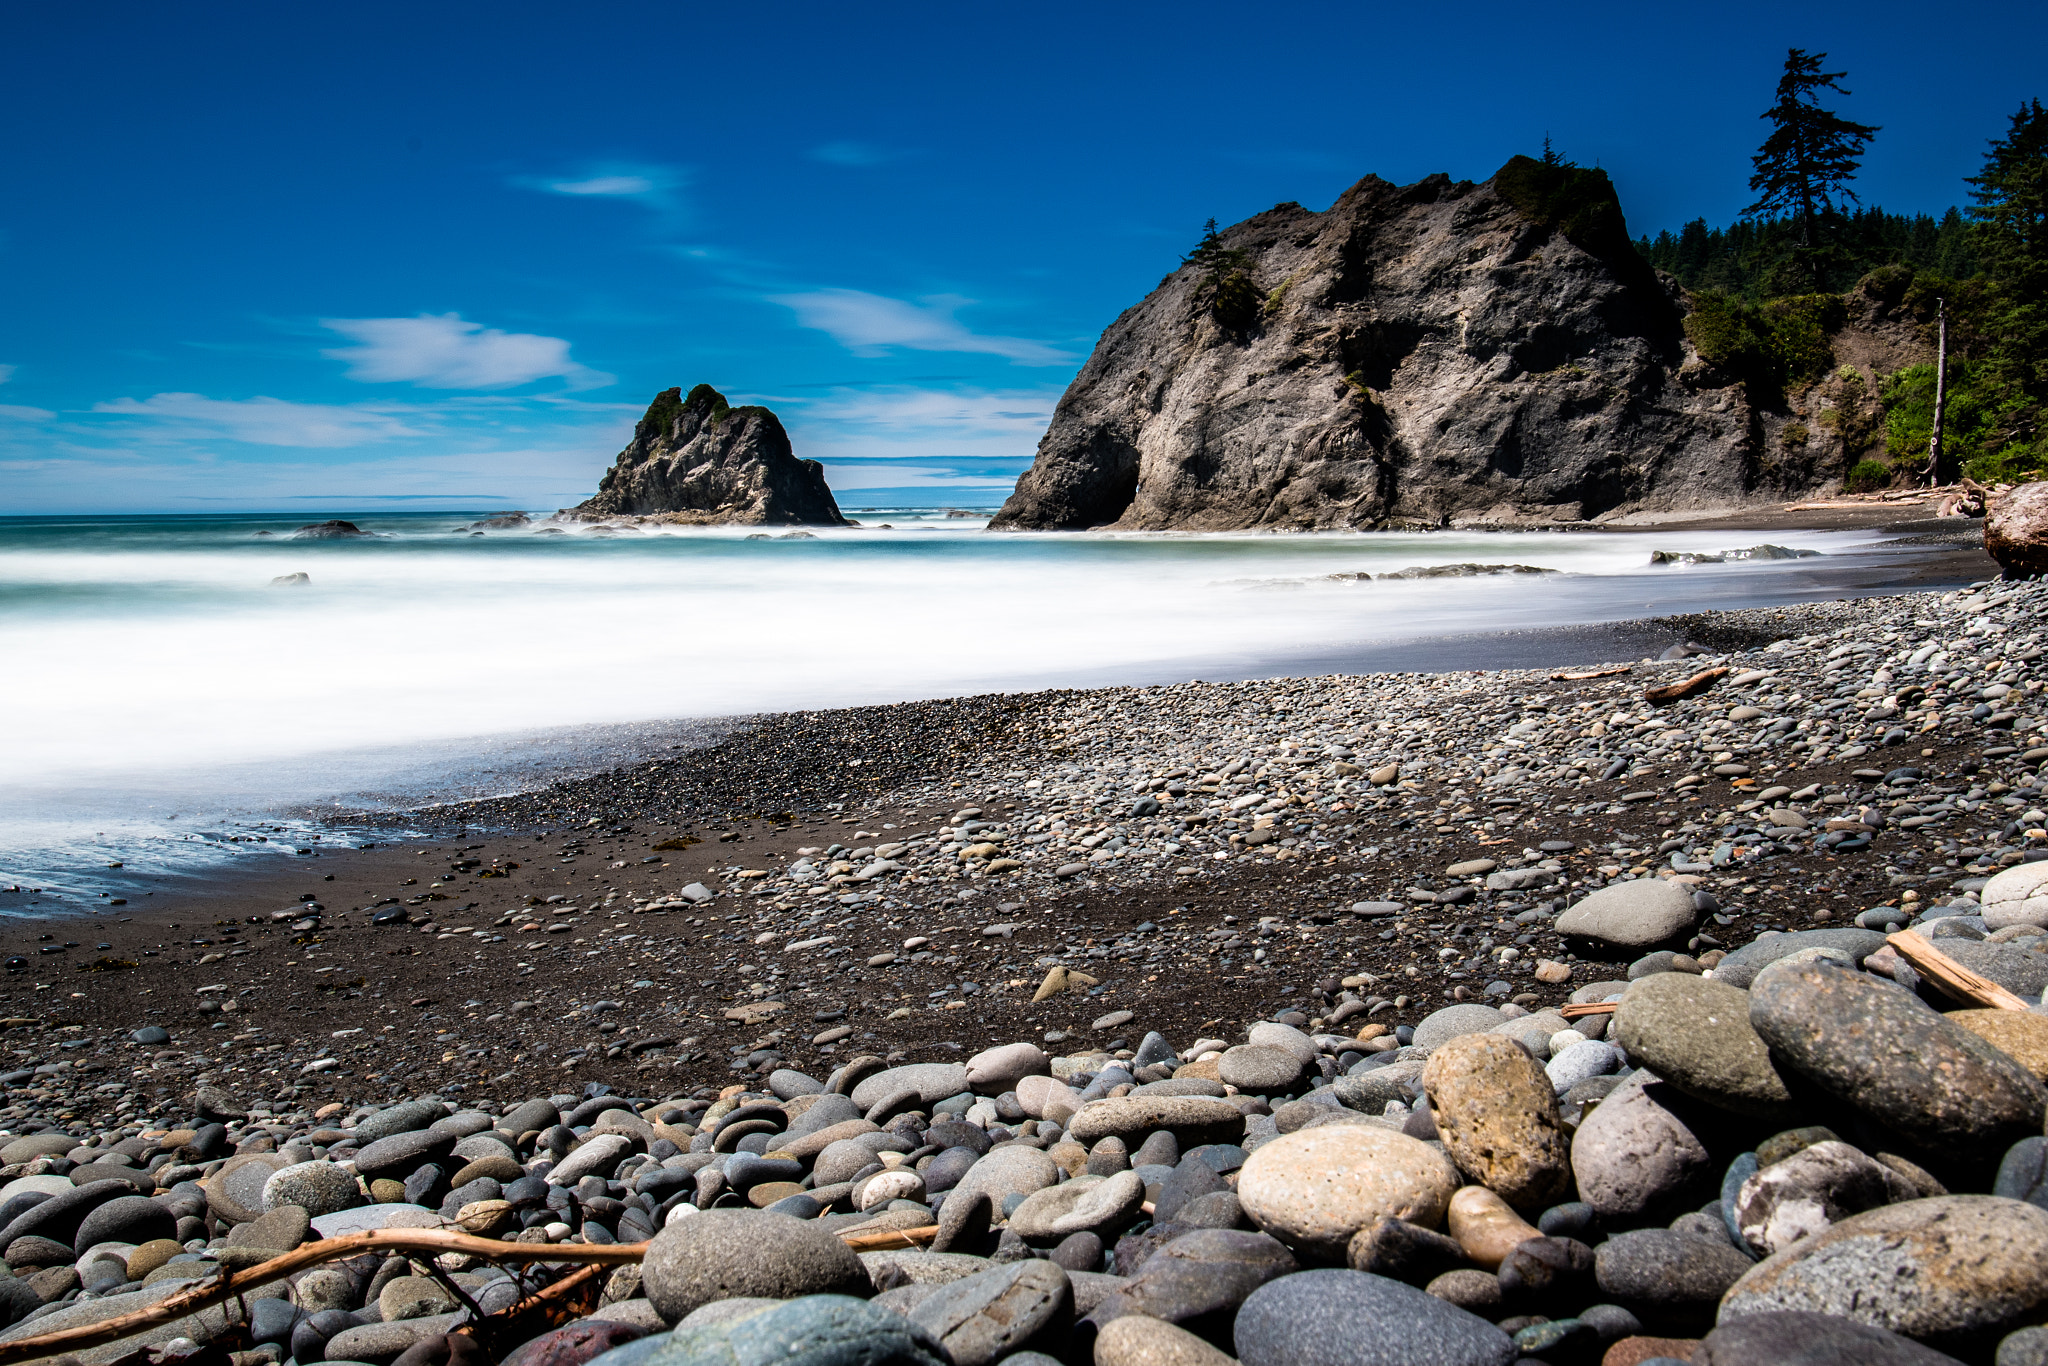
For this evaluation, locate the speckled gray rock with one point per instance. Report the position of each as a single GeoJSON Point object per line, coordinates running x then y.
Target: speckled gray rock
{"type": "Point", "coordinates": [381, 1343]}
{"type": "Point", "coordinates": [1351, 1318]}
{"type": "Point", "coordinates": [1667, 1278]}
{"type": "Point", "coordinates": [1740, 967]}
{"type": "Point", "coordinates": [1258, 1069]}
{"type": "Point", "coordinates": [933, 1082]}
{"type": "Point", "coordinates": [1194, 1120]}
{"type": "Point", "coordinates": [80, 1313]}
{"type": "Point", "coordinates": [1096, 1204]}
{"type": "Point", "coordinates": [2020, 966]}
{"type": "Point", "coordinates": [1441, 1027]}
{"type": "Point", "coordinates": [235, 1192]}
{"type": "Point", "coordinates": [125, 1219]}
{"type": "Point", "coordinates": [1582, 1061]}
{"type": "Point", "coordinates": [1807, 1339]}
{"type": "Point", "coordinates": [1198, 1279]}
{"type": "Point", "coordinates": [1634, 1154]}
{"type": "Point", "coordinates": [816, 1330]}
{"type": "Point", "coordinates": [1005, 1172]}
{"type": "Point", "coordinates": [724, 1252]}
{"type": "Point", "coordinates": [1874, 1047]}
{"type": "Point", "coordinates": [404, 1118]}
{"type": "Point", "coordinates": [596, 1155]}
{"type": "Point", "coordinates": [315, 1187]}
{"type": "Point", "coordinates": [984, 1317]}
{"type": "Point", "coordinates": [1695, 1034]}
{"type": "Point", "coordinates": [1632, 915]}
{"type": "Point", "coordinates": [1956, 1272]}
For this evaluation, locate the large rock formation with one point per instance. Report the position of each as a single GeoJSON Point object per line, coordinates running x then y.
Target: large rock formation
{"type": "Point", "coordinates": [1441, 353]}
{"type": "Point", "coordinates": [699, 460]}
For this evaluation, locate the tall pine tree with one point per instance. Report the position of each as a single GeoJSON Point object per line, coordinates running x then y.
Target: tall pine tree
{"type": "Point", "coordinates": [1805, 165]}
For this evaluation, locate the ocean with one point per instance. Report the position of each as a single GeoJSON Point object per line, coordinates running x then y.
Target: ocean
{"type": "Point", "coordinates": [172, 710]}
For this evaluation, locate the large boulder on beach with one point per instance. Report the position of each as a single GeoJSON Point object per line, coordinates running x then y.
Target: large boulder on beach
{"type": "Point", "coordinates": [2016, 531]}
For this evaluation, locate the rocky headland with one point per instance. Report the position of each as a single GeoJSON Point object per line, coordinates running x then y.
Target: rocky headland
{"type": "Point", "coordinates": [700, 461]}
{"type": "Point", "coordinates": [1439, 354]}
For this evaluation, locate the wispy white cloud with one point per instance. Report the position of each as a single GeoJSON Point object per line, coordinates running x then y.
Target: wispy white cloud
{"type": "Point", "coordinates": [659, 188]}
{"type": "Point", "coordinates": [262, 421]}
{"type": "Point", "coordinates": [6, 373]}
{"type": "Point", "coordinates": [857, 154]}
{"type": "Point", "coordinates": [447, 352]}
{"type": "Point", "coordinates": [1018, 412]}
{"type": "Point", "coordinates": [855, 476]}
{"type": "Point", "coordinates": [870, 324]}
{"type": "Point", "coordinates": [21, 413]}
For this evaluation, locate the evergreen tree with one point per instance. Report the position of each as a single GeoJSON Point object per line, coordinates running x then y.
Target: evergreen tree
{"type": "Point", "coordinates": [1811, 155]}
{"type": "Point", "coordinates": [2012, 217]}
{"type": "Point", "coordinates": [2012, 198]}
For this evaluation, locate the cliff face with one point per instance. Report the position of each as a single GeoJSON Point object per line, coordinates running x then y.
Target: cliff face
{"type": "Point", "coordinates": [1441, 353]}
{"type": "Point", "coordinates": [699, 460]}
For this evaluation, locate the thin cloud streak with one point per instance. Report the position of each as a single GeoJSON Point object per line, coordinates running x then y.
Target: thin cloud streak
{"type": "Point", "coordinates": [448, 352]}
{"type": "Point", "coordinates": [262, 421]}
{"type": "Point", "coordinates": [871, 324]}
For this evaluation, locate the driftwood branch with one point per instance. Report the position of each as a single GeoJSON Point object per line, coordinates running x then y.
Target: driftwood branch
{"type": "Point", "coordinates": [1573, 1012]}
{"type": "Point", "coordinates": [1952, 977]}
{"type": "Point", "coordinates": [1698, 683]}
{"type": "Point", "coordinates": [1578, 675]}
{"type": "Point", "coordinates": [432, 1242]}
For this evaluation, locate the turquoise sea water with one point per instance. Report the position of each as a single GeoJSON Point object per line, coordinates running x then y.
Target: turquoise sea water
{"type": "Point", "coordinates": [162, 695]}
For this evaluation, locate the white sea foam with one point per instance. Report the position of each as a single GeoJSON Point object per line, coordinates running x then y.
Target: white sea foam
{"type": "Point", "coordinates": [150, 663]}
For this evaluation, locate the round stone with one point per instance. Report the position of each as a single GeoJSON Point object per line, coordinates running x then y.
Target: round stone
{"type": "Point", "coordinates": [984, 1317]}
{"type": "Point", "coordinates": [1819, 1185]}
{"type": "Point", "coordinates": [1486, 1226]}
{"type": "Point", "coordinates": [1259, 1069]}
{"type": "Point", "coordinates": [2017, 896]}
{"type": "Point", "coordinates": [1453, 1022]}
{"type": "Point", "coordinates": [1138, 1340]}
{"type": "Point", "coordinates": [396, 1157]}
{"type": "Point", "coordinates": [826, 1329]}
{"type": "Point", "coordinates": [720, 1253]}
{"type": "Point", "coordinates": [1795, 1338]}
{"type": "Point", "coordinates": [315, 1187]}
{"type": "Point", "coordinates": [594, 1156]}
{"type": "Point", "coordinates": [1636, 915]}
{"type": "Point", "coordinates": [1635, 1153]}
{"type": "Point", "coordinates": [996, 1070]}
{"type": "Point", "coordinates": [1315, 1188]}
{"type": "Point", "coordinates": [1273, 1034]}
{"type": "Point", "coordinates": [932, 1081]}
{"type": "Point", "coordinates": [1496, 1113]}
{"type": "Point", "coordinates": [235, 1192]}
{"type": "Point", "coordinates": [1739, 969]}
{"type": "Point", "coordinates": [1193, 1120]}
{"type": "Point", "coordinates": [1695, 1034]}
{"type": "Point", "coordinates": [1665, 1278]}
{"type": "Point", "coordinates": [1887, 1054]}
{"type": "Point", "coordinates": [1352, 1318]}
{"type": "Point", "coordinates": [125, 1219]}
{"type": "Point", "coordinates": [399, 1119]}
{"type": "Point", "coordinates": [1005, 1172]}
{"type": "Point", "coordinates": [1923, 1269]}
{"type": "Point", "coordinates": [1085, 1204]}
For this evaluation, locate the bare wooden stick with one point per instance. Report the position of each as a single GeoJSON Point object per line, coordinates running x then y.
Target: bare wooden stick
{"type": "Point", "coordinates": [1579, 675]}
{"type": "Point", "coordinates": [430, 1241]}
{"type": "Point", "coordinates": [1949, 975]}
{"type": "Point", "coordinates": [1573, 1012]}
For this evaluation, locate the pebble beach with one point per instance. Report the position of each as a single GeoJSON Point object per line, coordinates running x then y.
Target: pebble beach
{"type": "Point", "coordinates": [1186, 1024]}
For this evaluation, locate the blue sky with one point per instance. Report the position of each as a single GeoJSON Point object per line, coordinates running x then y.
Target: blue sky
{"type": "Point", "coordinates": [439, 255]}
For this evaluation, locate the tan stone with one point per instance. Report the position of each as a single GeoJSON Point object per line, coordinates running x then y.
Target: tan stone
{"type": "Point", "coordinates": [2019, 1034]}
{"type": "Point", "coordinates": [1314, 1188]}
{"type": "Point", "coordinates": [1138, 1340]}
{"type": "Point", "coordinates": [1496, 1112]}
{"type": "Point", "coordinates": [1636, 1350]}
{"type": "Point", "coordinates": [1486, 1226]}
{"type": "Point", "coordinates": [1553, 972]}
{"type": "Point", "coordinates": [1208, 1069]}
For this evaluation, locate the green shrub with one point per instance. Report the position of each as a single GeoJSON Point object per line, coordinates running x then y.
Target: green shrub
{"type": "Point", "coordinates": [1795, 437]}
{"type": "Point", "coordinates": [1867, 476]}
{"type": "Point", "coordinates": [1580, 203]}
{"type": "Point", "coordinates": [1237, 301]}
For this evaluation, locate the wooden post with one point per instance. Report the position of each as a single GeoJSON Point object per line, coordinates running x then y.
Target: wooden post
{"type": "Point", "coordinates": [1940, 392]}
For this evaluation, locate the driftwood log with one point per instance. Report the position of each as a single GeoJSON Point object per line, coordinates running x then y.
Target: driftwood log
{"type": "Point", "coordinates": [430, 1242]}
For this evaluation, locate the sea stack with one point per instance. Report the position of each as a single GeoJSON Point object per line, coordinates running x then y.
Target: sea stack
{"type": "Point", "coordinates": [1437, 354]}
{"type": "Point", "coordinates": [699, 460]}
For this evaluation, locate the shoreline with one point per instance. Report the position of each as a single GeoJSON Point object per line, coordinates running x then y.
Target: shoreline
{"type": "Point", "coordinates": [901, 879]}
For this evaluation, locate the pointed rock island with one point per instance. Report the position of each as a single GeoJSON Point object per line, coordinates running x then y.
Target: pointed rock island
{"type": "Point", "coordinates": [700, 461]}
